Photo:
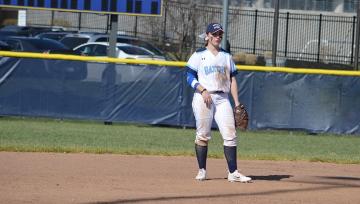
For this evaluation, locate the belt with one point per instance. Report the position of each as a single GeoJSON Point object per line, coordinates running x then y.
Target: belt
{"type": "Point", "coordinates": [216, 92]}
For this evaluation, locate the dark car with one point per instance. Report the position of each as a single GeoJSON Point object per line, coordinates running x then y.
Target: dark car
{"type": "Point", "coordinates": [31, 44]}
{"type": "Point", "coordinates": [4, 46]}
{"type": "Point", "coordinates": [14, 30]}
{"type": "Point", "coordinates": [54, 35]}
{"type": "Point", "coordinates": [65, 69]}
{"type": "Point", "coordinates": [4, 34]}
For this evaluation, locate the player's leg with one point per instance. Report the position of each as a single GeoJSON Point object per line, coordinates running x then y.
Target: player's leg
{"type": "Point", "coordinates": [203, 117]}
{"type": "Point", "coordinates": [225, 120]}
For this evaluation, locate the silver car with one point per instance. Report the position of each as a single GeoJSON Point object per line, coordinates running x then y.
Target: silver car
{"type": "Point", "coordinates": [128, 73]}
{"type": "Point", "coordinates": [75, 39]}
{"type": "Point", "coordinates": [123, 50]}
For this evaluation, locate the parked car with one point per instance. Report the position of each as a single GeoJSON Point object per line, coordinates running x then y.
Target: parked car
{"type": "Point", "coordinates": [62, 69]}
{"type": "Point", "coordinates": [331, 51]}
{"type": "Point", "coordinates": [4, 46]}
{"type": "Point", "coordinates": [76, 39]}
{"type": "Point", "coordinates": [31, 44]}
{"type": "Point", "coordinates": [5, 34]}
{"type": "Point", "coordinates": [123, 50]}
{"type": "Point", "coordinates": [102, 72]}
{"type": "Point", "coordinates": [54, 35]}
{"type": "Point", "coordinates": [29, 31]}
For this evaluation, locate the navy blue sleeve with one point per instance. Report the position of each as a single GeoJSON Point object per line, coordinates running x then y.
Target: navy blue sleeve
{"type": "Point", "coordinates": [234, 73]}
{"type": "Point", "coordinates": [192, 77]}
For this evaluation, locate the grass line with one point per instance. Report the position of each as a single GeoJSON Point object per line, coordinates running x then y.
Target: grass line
{"type": "Point", "coordinates": [49, 135]}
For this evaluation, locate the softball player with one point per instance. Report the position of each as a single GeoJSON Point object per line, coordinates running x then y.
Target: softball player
{"type": "Point", "coordinates": [211, 72]}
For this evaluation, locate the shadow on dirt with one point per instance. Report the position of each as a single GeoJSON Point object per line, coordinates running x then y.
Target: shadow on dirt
{"type": "Point", "coordinates": [314, 186]}
{"type": "Point", "coordinates": [271, 177]}
{"type": "Point", "coordinates": [340, 178]}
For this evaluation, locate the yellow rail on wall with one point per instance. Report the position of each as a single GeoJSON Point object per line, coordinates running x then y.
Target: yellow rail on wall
{"type": "Point", "coordinates": [175, 63]}
{"type": "Point", "coordinates": [87, 58]}
{"type": "Point", "coordinates": [299, 70]}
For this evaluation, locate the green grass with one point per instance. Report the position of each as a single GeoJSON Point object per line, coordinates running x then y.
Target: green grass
{"type": "Point", "coordinates": [49, 135]}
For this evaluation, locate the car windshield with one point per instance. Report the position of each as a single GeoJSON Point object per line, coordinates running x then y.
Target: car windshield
{"type": "Point", "coordinates": [134, 50]}
{"type": "Point", "coordinates": [11, 28]}
{"type": "Point", "coordinates": [4, 46]}
{"type": "Point", "coordinates": [53, 36]}
{"type": "Point", "coordinates": [73, 42]}
{"type": "Point", "coordinates": [7, 33]}
{"type": "Point", "coordinates": [148, 46]}
{"type": "Point", "coordinates": [46, 44]}
{"type": "Point", "coordinates": [136, 42]}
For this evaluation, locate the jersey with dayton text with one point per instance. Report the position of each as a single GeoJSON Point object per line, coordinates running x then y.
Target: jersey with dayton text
{"type": "Point", "coordinates": [213, 71]}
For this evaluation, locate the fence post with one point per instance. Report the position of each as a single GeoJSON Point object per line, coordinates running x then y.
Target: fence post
{"type": "Point", "coordinates": [255, 30]}
{"type": "Point", "coordinates": [286, 32]}
{"type": "Point", "coordinates": [79, 20]}
{"type": "Point", "coordinates": [353, 40]}
{"type": "Point", "coordinates": [135, 27]}
{"type": "Point", "coordinates": [108, 23]}
{"type": "Point", "coordinates": [356, 58]}
{"type": "Point", "coordinates": [164, 31]}
{"type": "Point", "coordinates": [275, 33]}
{"type": "Point", "coordinates": [52, 18]}
{"type": "Point", "coordinates": [319, 39]}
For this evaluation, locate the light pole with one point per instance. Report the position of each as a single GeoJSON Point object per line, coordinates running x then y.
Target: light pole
{"type": "Point", "coordinates": [225, 22]}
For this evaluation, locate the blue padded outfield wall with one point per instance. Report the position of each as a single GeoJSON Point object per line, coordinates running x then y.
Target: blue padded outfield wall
{"type": "Point", "coordinates": [159, 95]}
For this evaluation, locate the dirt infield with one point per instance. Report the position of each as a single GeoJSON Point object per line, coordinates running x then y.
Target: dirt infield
{"type": "Point", "coordinates": [90, 178]}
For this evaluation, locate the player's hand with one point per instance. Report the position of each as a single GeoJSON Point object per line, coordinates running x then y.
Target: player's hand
{"type": "Point", "coordinates": [207, 98]}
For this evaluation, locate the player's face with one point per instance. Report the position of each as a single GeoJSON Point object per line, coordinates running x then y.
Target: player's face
{"type": "Point", "coordinates": [215, 38]}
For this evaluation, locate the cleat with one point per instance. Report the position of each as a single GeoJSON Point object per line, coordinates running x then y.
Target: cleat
{"type": "Point", "coordinates": [201, 176]}
{"type": "Point", "coordinates": [238, 177]}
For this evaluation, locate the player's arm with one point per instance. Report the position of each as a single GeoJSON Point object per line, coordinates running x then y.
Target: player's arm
{"type": "Point", "coordinates": [194, 83]}
{"type": "Point", "coordinates": [191, 71]}
{"type": "Point", "coordinates": [192, 80]}
{"type": "Point", "coordinates": [233, 83]}
{"type": "Point", "coordinates": [234, 91]}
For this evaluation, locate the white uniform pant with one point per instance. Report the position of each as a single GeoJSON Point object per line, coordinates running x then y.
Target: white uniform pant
{"type": "Point", "coordinates": [221, 110]}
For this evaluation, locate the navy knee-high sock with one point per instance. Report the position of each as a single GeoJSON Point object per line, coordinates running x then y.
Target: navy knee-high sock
{"type": "Point", "coordinates": [201, 155]}
{"type": "Point", "coordinates": [230, 155]}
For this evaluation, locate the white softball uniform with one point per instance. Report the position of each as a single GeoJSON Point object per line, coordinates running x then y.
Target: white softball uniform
{"type": "Point", "coordinates": [214, 74]}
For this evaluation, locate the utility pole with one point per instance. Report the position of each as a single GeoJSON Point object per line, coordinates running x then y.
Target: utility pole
{"type": "Point", "coordinates": [109, 72]}
{"type": "Point", "coordinates": [225, 22]}
{"type": "Point", "coordinates": [113, 35]}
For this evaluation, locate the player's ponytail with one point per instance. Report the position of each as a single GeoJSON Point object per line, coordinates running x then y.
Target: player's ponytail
{"type": "Point", "coordinates": [206, 41]}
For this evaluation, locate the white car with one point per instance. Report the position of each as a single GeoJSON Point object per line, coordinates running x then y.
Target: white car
{"type": "Point", "coordinates": [96, 71]}
{"type": "Point", "coordinates": [123, 50]}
